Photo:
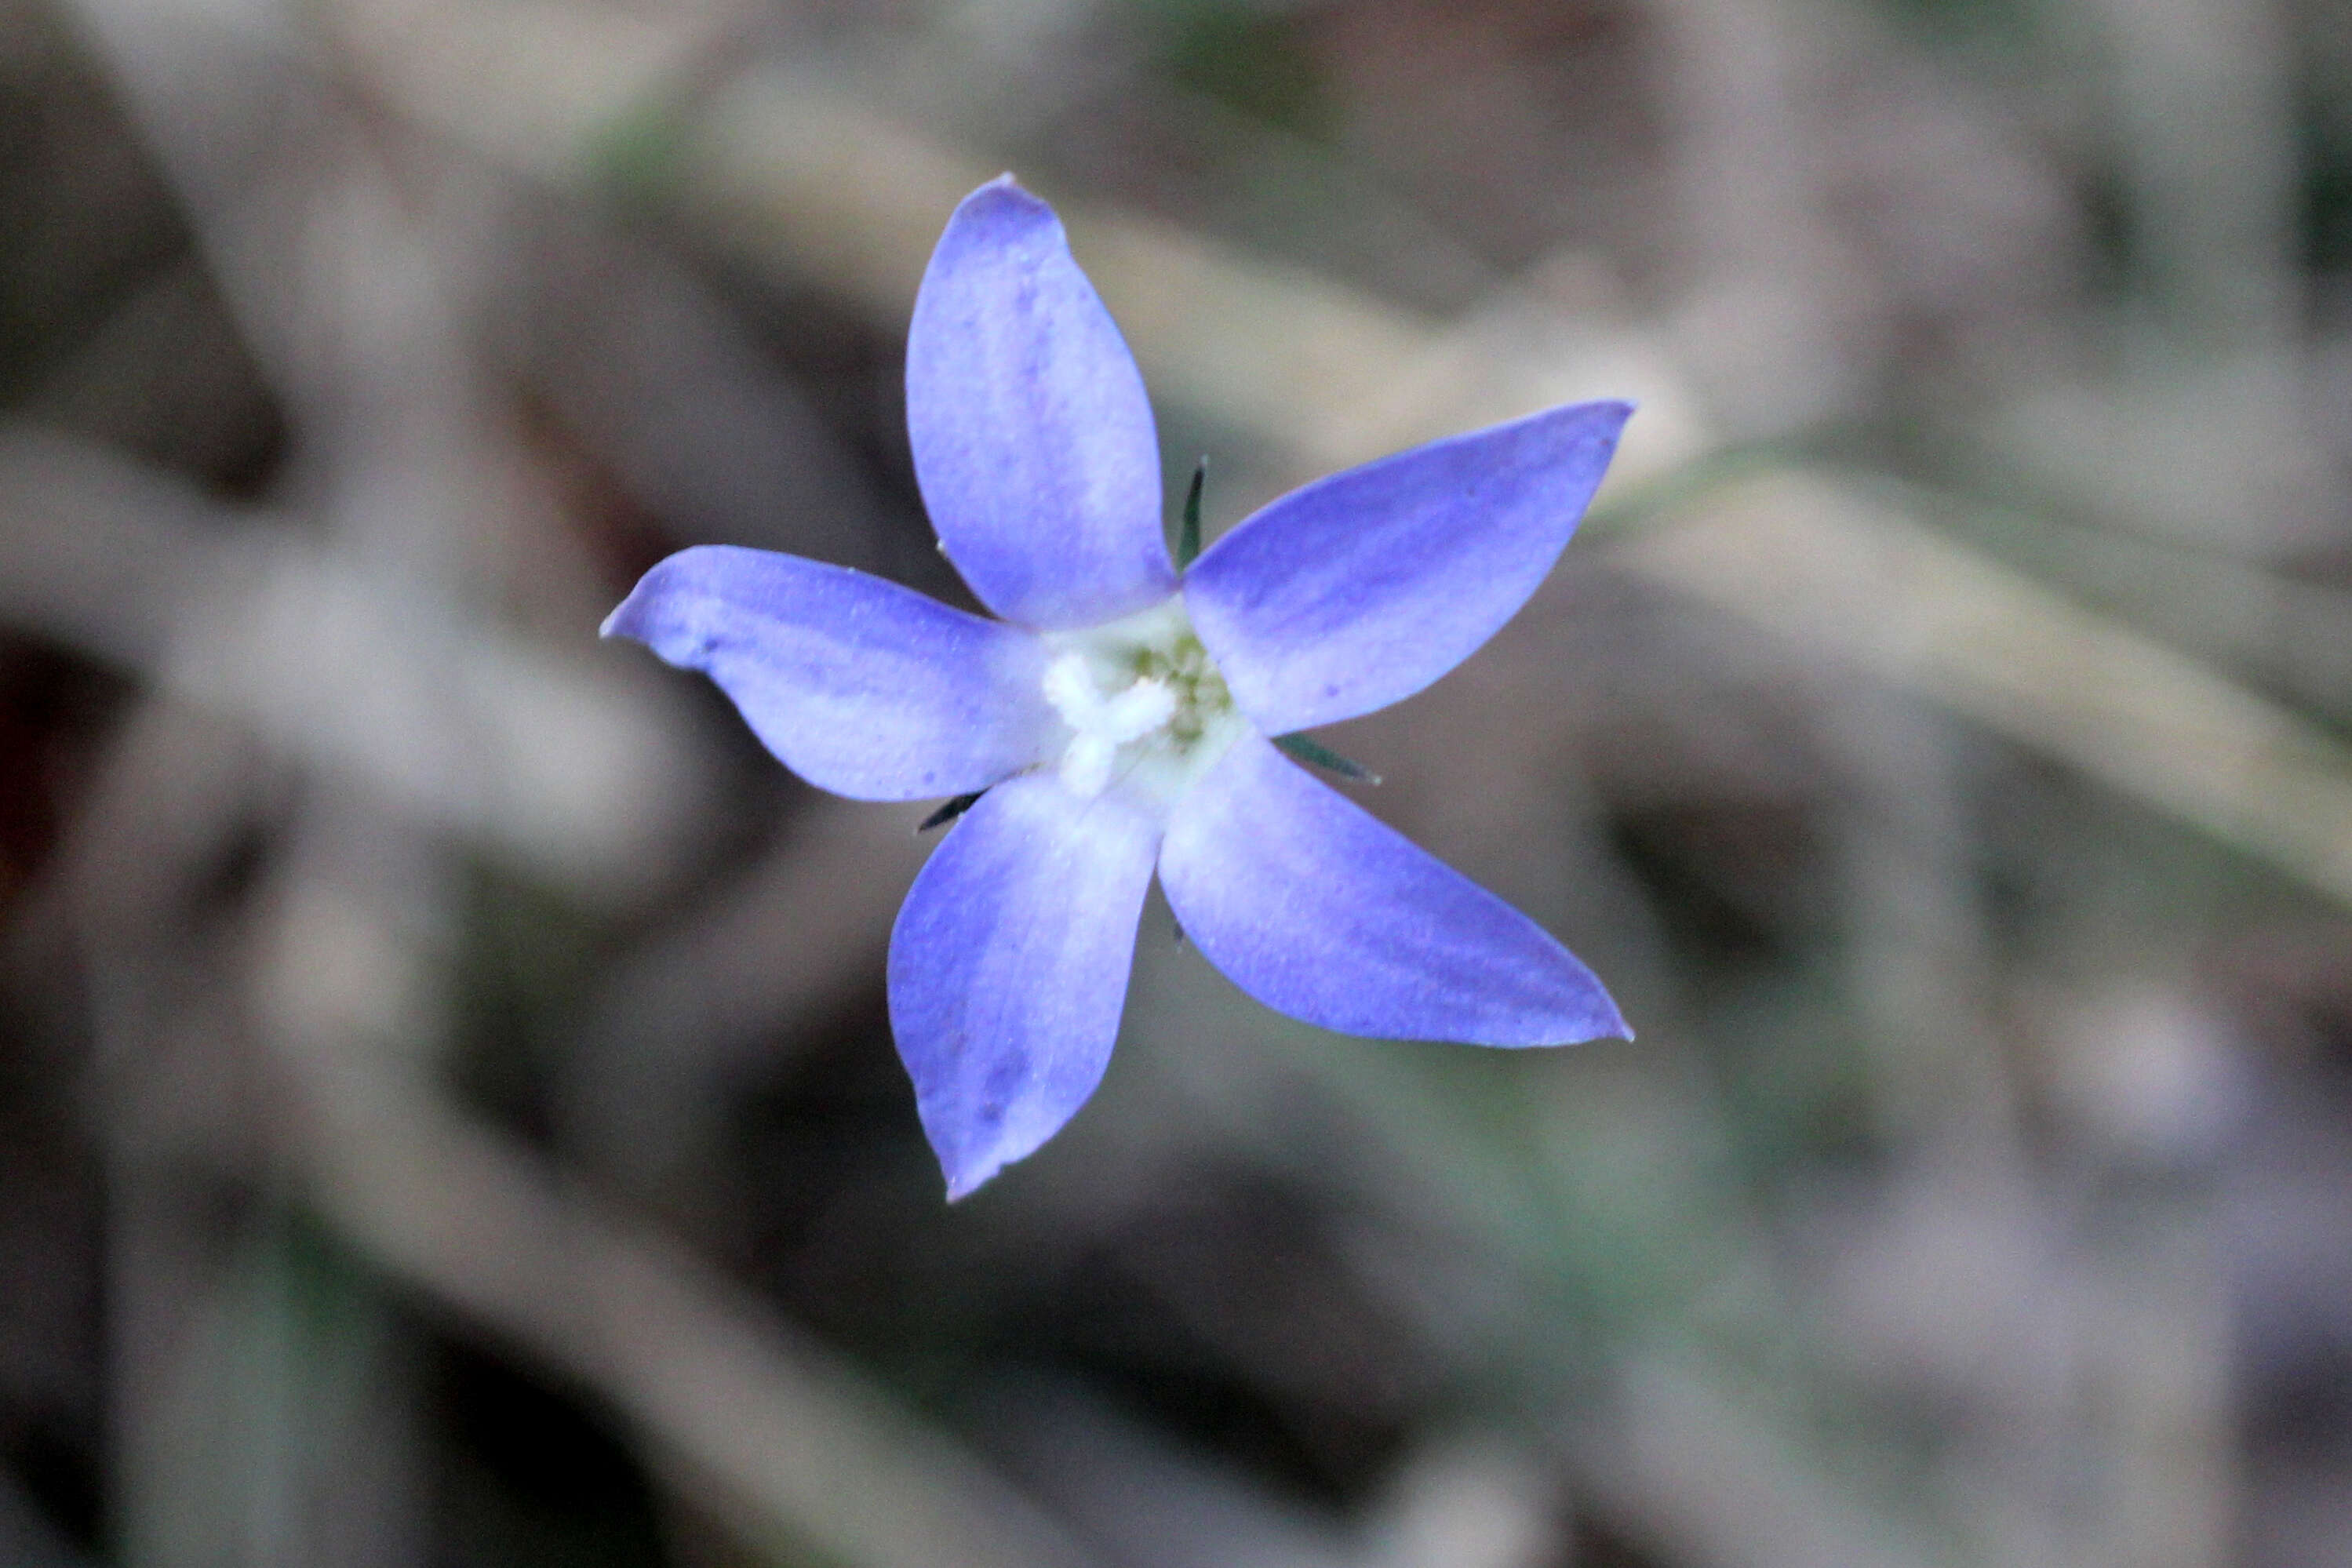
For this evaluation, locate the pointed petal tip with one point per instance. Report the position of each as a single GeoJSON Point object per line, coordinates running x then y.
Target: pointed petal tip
{"type": "Point", "coordinates": [975, 1166]}
{"type": "Point", "coordinates": [634, 617]}
{"type": "Point", "coordinates": [970, 1162]}
{"type": "Point", "coordinates": [628, 617]}
{"type": "Point", "coordinates": [1608, 412]}
{"type": "Point", "coordinates": [961, 1185]}
{"type": "Point", "coordinates": [1007, 192]}
{"type": "Point", "coordinates": [1616, 1028]}
{"type": "Point", "coordinates": [1596, 1017]}
{"type": "Point", "coordinates": [1590, 1024]}
{"type": "Point", "coordinates": [1601, 1018]}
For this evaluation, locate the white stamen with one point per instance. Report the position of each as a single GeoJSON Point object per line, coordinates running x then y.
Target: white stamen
{"type": "Point", "coordinates": [1102, 722]}
{"type": "Point", "coordinates": [1137, 711]}
{"type": "Point", "coordinates": [1071, 689]}
{"type": "Point", "coordinates": [1142, 702]}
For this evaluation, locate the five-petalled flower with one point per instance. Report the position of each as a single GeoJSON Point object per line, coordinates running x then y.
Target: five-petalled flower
{"type": "Point", "coordinates": [1116, 716]}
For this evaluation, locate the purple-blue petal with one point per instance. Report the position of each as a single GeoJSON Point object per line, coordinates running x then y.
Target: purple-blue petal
{"type": "Point", "coordinates": [1009, 966]}
{"type": "Point", "coordinates": [1034, 441]}
{"type": "Point", "coordinates": [1360, 589]}
{"type": "Point", "coordinates": [1320, 911]}
{"type": "Point", "coordinates": [860, 686]}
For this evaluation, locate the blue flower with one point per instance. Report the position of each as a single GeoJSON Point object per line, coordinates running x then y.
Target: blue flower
{"type": "Point", "coordinates": [1118, 716]}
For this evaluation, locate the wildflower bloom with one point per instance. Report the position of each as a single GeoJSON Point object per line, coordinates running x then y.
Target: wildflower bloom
{"type": "Point", "coordinates": [1116, 718]}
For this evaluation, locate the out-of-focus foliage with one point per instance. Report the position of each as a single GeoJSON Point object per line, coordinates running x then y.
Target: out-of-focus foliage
{"type": "Point", "coordinates": [446, 1111]}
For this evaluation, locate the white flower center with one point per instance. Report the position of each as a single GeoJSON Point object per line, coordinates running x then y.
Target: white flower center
{"type": "Point", "coordinates": [1144, 702]}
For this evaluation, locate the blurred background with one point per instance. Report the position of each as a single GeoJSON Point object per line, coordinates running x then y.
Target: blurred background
{"type": "Point", "coordinates": [447, 1113]}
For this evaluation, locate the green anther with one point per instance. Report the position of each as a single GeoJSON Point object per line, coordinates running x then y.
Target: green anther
{"type": "Point", "coordinates": [1188, 536]}
{"type": "Point", "coordinates": [1184, 668]}
{"type": "Point", "coordinates": [1323, 757]}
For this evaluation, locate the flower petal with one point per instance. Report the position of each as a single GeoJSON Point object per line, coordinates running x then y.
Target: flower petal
{"type": "Point", "coordinates": [1361, 589]}
{"type": "Point", "coordinates": [1322, 912]}
{"type": "Point", "coordinates": [860, 686]}
{"type": "Point", "coordinates": [1008, 965]}
{"type": "Point", "coordinates": [1034, 441]}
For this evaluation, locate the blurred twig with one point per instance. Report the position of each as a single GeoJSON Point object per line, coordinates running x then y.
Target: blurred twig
{"type": "Point", "coordinates": [1836, 568]}
{"type": "Point", "coordinates": [799, 932]}
{"type": "Point", "coordinates": [1714, 1485]}
{"type": "Point", "coordinates": [570, 769]}
{"type": "Point", "coordinates": [795, 1447]}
